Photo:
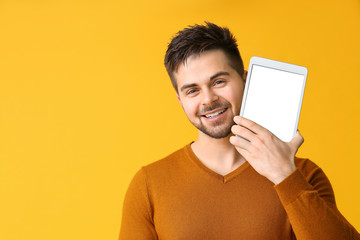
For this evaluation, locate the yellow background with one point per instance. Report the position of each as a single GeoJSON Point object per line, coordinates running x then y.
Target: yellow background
{"type": "Point", "coordinates": [85, 100]}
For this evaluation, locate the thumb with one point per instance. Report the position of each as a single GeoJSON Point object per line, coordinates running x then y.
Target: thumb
{"type": "Point", "coordinates": [297, 141]}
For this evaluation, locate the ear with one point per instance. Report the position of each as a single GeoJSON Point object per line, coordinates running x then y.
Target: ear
{"type": "Point", "coordinates": [245, 76]}
{"type": "Point", "coordinates": [178, 98]}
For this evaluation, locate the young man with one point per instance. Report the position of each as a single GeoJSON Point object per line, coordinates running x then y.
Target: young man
{"type": "Point", "coordinates": [237, 180]}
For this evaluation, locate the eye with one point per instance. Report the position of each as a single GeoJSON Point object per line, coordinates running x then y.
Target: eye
{"type": "Point", "coordinates": [191, 91]}
{"type": "Point", "coordinates": [219, 82]}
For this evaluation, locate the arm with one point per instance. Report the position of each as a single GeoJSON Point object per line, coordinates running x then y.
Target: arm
{"type": "Point", "coordinates": [137, 222]}
{"type": "Point", "coordinates": [310, 205]}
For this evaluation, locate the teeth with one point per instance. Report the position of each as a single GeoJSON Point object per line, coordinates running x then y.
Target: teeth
{"type": "Point", "coordinates": [215, 114]}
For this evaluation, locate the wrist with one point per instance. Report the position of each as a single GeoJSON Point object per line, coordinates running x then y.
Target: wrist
{"type": "Point", "coordinates": [282, 175]}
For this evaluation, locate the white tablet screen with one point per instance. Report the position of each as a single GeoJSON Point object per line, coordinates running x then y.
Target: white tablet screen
{"type": "Point", "coordinates": [273, 100]}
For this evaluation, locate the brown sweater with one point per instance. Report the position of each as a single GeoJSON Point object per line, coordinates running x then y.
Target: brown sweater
{"type": "Point", "coordinates": [178, 197]}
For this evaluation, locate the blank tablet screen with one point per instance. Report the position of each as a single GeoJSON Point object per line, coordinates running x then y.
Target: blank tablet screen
{"type": "Point", "coordinates": [273, 100]}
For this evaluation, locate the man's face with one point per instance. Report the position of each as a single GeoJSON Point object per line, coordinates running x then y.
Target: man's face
{"type": "Point", "coordinates": [210, 92]}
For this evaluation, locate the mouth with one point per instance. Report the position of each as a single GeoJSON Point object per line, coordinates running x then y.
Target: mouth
{"type": "Point", "coordinates": [214, 114]}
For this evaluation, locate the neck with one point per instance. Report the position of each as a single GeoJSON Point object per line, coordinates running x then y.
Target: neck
{"type": "Point", "coordinates": [217, 154]}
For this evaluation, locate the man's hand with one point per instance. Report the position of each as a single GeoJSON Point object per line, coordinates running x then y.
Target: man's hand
{"type": "Point", "coordinates": [266, 153]}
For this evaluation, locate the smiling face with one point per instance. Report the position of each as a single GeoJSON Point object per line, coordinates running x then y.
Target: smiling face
{"type": "Point", "coordinates": [210, 92]}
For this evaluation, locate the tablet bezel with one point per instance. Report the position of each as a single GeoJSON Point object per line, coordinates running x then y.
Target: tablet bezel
{"type": "Point", "coordinates": [282, 66]}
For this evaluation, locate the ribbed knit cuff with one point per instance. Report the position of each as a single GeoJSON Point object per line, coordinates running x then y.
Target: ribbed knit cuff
{"type": "Point", "coordinates": [291, 187]}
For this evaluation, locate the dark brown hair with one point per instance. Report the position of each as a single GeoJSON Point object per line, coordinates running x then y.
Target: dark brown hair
{"type": "Point", "coordinates": [197, 39]}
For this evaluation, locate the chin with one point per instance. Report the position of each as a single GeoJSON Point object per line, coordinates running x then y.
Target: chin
{"type": "Point", "coordinates": [219, 134]}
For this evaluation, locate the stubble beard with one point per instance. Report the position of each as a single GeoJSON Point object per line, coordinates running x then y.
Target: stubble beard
{"type": "Point", "coordinates": [218, 129]}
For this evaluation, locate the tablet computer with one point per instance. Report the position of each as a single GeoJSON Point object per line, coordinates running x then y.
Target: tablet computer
{"type": "Point", "coordinates": [273, 95]}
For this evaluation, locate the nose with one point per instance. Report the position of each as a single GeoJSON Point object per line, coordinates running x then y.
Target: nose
{"type": "Point", "coordinates": [209, 97]}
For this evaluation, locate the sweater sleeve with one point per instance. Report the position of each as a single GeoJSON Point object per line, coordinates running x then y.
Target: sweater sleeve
{"type": "Point", "coordinates": [311, 208]}
{"type": "Point", "coordinates": [137, 221]}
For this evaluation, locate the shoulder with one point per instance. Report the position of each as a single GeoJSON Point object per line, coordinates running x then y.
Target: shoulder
{"type": "Point", "coordinates": [169, 160]}
{"type": "Point", "coordinates": [158, 171]}
{"type": "Point", "coordinates": [309, 169]}
{"type": "Point", "coordinates": [306, 166]}
{"type": "Point", "coordinates": [316, 177]}
{"type": "Point", "coordinates": [162, 176]}
{"type": "Point", "coordinates": [173, 165]}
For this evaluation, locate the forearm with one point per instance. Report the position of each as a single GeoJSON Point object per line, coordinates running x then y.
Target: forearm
{"type": "Point", "coordinates": [311, 216]}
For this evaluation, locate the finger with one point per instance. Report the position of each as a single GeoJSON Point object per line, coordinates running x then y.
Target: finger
{"type": "Point", "coordinates": [251, 125]}
{"type": "Point", "coordinates": [243, 153]}
{"type": "Point", "coordinates": [240, 142]}
{"type": "Point", "coordinates": [297, 141]}
{"type": "Point", "coordinates": [243, 132]}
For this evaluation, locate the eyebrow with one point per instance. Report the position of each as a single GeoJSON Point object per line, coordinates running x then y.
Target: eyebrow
{"type": "Point", "coordinates": [218, 75]}
{"type": "Point", "coordinates": [187, 86]}
{"type": "Point", "coordinates": [211, 78]}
